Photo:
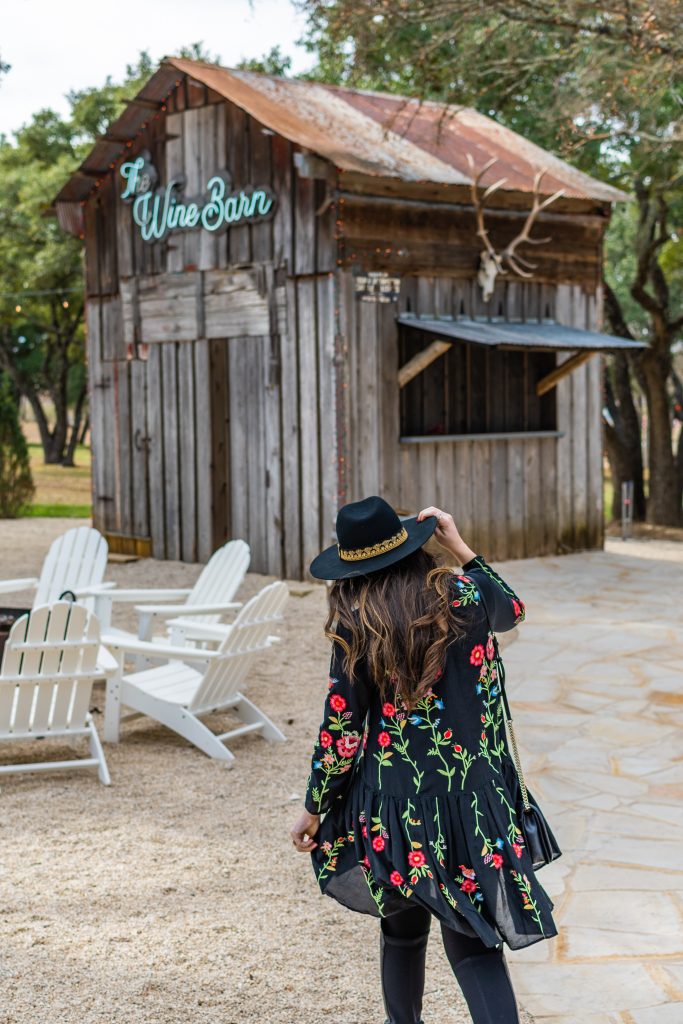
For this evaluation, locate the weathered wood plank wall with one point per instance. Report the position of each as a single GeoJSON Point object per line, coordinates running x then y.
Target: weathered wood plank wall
{"type": "Point", "coordinates": [212, 356]}
{"type": "Point", "coordinates": [512, 497]}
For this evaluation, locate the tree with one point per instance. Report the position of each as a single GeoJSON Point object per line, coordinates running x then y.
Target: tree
{"type": "Point", "coordinates": [16, 483]}
{"type": "Point", "coordinates": [599, 83]}
{"type": "Point", "coordinates": [42, 345]}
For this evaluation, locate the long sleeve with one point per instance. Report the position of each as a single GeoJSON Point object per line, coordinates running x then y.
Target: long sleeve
{"type": "Point", "coordinates": [339, 737]}
{"type": "Point", "coordinates": [505, 608]}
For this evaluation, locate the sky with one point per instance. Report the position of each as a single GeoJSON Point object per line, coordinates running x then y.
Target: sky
{"type": "Point", "coordinates": [57, 45]}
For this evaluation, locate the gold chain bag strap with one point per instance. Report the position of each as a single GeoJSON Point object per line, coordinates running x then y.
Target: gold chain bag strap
{"type": "Point", "coordinates": [540, 842]}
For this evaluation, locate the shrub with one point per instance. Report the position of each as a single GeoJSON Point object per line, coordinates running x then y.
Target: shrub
{"type": "Point", "coordinates": [16, 482]}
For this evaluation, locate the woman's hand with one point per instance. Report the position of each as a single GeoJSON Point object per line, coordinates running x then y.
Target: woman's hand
{"type": "Point", "coordinates": [303, 830]}
{"type": "Point", "coordinates": [447, 534]}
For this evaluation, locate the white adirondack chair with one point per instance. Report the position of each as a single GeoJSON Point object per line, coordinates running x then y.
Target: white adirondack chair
{"type": "Point", "coordinates": [49, 665]}
{"type": "Point", "coordinates": [210, 597]}
{"type": "Point", "coordinates": [76, 561]}
{"type": "Point", "coordinates": [178, 694]}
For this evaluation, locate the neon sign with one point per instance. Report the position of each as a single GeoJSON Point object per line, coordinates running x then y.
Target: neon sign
{"type": "Point", "coordinates": [158, 211]}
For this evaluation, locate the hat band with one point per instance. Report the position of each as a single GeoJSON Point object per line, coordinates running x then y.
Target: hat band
{"type": "Point", "coordinates": [358, 554]}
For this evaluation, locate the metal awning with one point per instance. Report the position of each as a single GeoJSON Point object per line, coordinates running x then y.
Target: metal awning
{"type": "Point", "coordinates": [541, 335]}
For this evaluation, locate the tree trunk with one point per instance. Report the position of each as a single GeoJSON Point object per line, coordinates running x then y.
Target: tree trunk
{"type": "Point", "coordinates": [75, 428]}
{"type": "Point", "coordinates": [663, 503]}
{"type": "Point", "coordinates": [623, 441]}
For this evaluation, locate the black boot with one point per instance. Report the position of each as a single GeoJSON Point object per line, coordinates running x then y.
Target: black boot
{"type": "Point", "coordinates": [487, 988]}
{"type": "Point", "coordinates": [402, 970]}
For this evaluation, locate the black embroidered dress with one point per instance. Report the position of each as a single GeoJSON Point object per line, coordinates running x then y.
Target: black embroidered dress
{"type": "Point", "coordinates": [420, 805]}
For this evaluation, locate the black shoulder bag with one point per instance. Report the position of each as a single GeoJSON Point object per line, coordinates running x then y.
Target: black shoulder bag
{"type": "Point", "coordinates": [540, 842]}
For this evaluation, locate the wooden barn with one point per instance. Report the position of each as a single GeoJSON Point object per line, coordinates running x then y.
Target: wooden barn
{"type": "Point", "coordinates": [298, 295]}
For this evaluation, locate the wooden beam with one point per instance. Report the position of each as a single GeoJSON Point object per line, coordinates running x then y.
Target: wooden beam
{"type": "Point", "coordinates": [551, 379]}
{"type": "Point", "coordinates": [149, 104]}
{"type": "Point", "coordinates": [421, 361]}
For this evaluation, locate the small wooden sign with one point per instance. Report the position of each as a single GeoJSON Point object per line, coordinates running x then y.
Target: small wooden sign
{"type": "Point", "coordinates": [376, 286]}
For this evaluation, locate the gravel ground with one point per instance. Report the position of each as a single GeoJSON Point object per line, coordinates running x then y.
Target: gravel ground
{"type": "Point", "coordinates": [174, 896]}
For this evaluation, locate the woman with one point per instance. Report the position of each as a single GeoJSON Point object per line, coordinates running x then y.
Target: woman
{"type": "Point", "coordinates": [411, 767]}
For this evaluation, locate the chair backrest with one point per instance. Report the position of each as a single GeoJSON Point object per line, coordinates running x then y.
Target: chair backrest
{"type": "Point", "coordinates": [48, 668]}
{"type": "Point", "coordinates": [76, 559]}
{"type": "Point", "coordinates": [221, 577]}
{"type": "Point", "coordinates": [247, 636]}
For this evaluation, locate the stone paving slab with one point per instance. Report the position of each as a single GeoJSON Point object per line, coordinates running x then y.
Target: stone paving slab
{"type": "Point", "coordinates": [596, 681]}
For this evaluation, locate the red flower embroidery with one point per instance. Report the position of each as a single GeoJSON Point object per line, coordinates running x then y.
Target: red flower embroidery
{"type": "Point", "coordinates": [366, 861]}
{"type": "Point", "coordinates": [517, 608]}
{"type": "Point", "coordinates": [490, 651]}
{"type": "Point", "coordinates": [447, 735]}
{"type": "Point", "coordinates": [455, 604]}
{"type": "Point", "coordinates": [364, 831]}
{"type": "Point", "coordinates": [497, 861]}
{"type": "Point", "coordinates": [348, 745]}
{"type": "Point", "coordinates": [396, 878]}
{"type": "Point", "coordinates": [337, 702]}
{"type": "Point", "coordinates": [477, 654]}
{"type": "Point", "coordinates": [457, 748]}
{"type": "Point", "coordinates": [483, 736]}
{"type": "Point", "coordinates": [466, 579]}
{"type": "Point", "coordinates": [483, 718]}
{"type": "Point", "coordinates": [378, 843]}
{"type": "Point", "coordinates": [416, 858]}
{"type": "Point", "coordinates": [384, 739]}
{"type": "Point", "coordinates": [467, 872]}
{"type": "Point", "coordinates": [325, 739]}
{"type": "Point", "coordinates": [468, 886]}
{"type": "Point", "coordinates": [517, 848]}
{"type": "Point", "coordinates": [388, 709]}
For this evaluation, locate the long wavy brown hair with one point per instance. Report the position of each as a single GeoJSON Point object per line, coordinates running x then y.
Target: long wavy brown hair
{"type": "Point", "coordinates": [400, 621]}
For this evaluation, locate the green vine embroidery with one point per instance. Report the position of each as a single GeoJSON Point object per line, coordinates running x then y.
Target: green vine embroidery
{"type": "Point", "coordinates": [395, 722]}
{"type": "Point", "coordinates": [513, 833]}
{"type": "Point", "coordinates": [528, 902]}
{"type": "Point", "coordinates": [423, 718]}
{"type": "Point", "coordinates": [334, 757]}
{"type": "Point", "coordinates": [438, 844]}
{"type": "Point", "coordinates": [331, 851]}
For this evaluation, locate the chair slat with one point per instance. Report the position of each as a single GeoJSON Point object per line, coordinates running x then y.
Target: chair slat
{"type": "Point", "coordinates": [75, 560]}
{"type": "Point", "coordinates": [248, 635]}
{"type": "Point", "coordinates": [220, 579]}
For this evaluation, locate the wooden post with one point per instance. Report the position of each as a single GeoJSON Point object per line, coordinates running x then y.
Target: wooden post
{"type": "Point", "coordinates": [421, 361]}
{"type": "Point", "coordinates": [551, 379]}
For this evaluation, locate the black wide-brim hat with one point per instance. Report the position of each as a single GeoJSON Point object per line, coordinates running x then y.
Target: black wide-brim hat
{"type": "Point", "coordinates": [370, 537]}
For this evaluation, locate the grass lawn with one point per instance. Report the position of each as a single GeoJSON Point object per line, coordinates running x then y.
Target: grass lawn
{"type": "Point", "coordinates": [61, 490]}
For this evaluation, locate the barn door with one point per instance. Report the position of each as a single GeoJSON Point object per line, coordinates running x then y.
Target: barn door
{"type": "Point", "coordinates": [246, 446]}
{"type": "Point", "coordinates": [139, 450]}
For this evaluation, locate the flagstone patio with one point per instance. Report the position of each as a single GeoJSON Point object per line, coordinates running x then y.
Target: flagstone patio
{"type": "Point", "coordinates": [599, 713]}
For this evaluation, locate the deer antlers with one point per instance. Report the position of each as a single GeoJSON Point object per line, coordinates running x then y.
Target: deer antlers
{"type": "Point", "coordinates": [494, 263]}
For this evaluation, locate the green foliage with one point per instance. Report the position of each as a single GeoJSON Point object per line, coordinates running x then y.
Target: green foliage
{"type": "Point", "coordinates": [16, 484]}
{"type": "Point", "coordinates": [275, 62]}
{"type": "Point", "coordinates": [42, 342]}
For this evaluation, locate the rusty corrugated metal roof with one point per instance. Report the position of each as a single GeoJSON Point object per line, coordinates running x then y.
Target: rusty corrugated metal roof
{"type": "Point", "coordinates": [534, 334]}
{"type": "Point", "coordinates": [371, 133]}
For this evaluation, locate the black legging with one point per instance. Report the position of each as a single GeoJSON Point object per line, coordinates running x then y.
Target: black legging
{"type": "Point", "coordinates": [481, 971]}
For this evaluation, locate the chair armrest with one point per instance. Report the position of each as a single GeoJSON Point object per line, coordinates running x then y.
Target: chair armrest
{"type": "Point", "coordinates": [133, 646]}
{"type": "Point", "coordinates": [95, 589]}
{"type": "Point", "coordinates": [134, 596]}
{"type": "Point", "coordinates": [8, 586]}
{"type": "Point", "coordinates": [201, 630]}
{"type": "Point", "coordinates": [164, 611]}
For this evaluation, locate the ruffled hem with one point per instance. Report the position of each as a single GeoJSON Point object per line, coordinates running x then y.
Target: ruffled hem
{"type": "Point", "coordinates": [459, 855]}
